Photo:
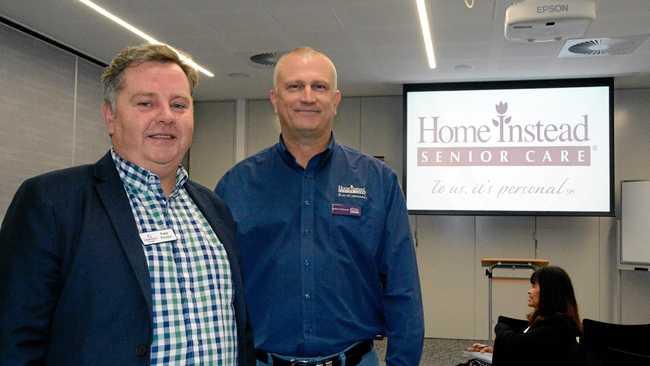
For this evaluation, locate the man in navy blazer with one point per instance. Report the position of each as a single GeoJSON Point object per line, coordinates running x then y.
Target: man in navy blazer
{"type": "Point", "coordinates": [126, 261]}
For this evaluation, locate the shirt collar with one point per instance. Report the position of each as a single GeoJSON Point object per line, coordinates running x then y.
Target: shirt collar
{"type": "Point", "coordinates": [317, 162]}
{"type": "Point", "coordinates": [137, 179]}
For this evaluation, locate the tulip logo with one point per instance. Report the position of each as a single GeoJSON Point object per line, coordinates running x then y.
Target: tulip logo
{"type": "Point", "coordinates": [501, 108]}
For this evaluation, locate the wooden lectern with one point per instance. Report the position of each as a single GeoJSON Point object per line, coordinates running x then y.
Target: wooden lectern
{"type": "Point", "coordinates": [513, 263]}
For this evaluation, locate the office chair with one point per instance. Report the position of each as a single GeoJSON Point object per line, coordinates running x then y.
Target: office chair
{"type": "Point", "coordinates": [603, 342]}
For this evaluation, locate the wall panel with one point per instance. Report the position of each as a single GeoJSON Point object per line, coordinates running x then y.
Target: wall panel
{"type": "Point", "coordinates": [632, 145]}
{"type": "Point", "coordinates": [382, 130]}
{"type": "Point", "coordinates": [37, 106]}
{"type": "Point", "coordinates": [347, 124]}
{"type": "Point", "coordinates": [573, 244]}
{"type": "Point", "coordinates": [262, 126]}
{"type": "Point", "coordinates": [635, 297]}
{"type": "Point", "coordinates": [213, 149]}
{"type": "Point", "coordinates": [447, 265]}
{"type": "Point", "coordinates": [91, 137]}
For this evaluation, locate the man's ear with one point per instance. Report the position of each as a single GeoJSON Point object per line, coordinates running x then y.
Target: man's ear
{"type": "Point", "coordinates": [109, 117]}
{"type": "Point", "coordinates": [274, 99]}
{"type": "Point", "coordinates": [337, 100]}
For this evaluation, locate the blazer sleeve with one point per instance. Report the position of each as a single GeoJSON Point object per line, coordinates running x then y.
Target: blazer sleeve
{"type": "Point", "coordinates": [509, 338]}
{"type": "Point", "coordinates": [518, 325]}
{"type": "Point", "coordinates": [30, 278]}
{"type": "Point", "coordinates": [549, 340]}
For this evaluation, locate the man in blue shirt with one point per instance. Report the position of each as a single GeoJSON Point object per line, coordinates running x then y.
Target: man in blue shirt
{"type": "Point", "coordinates": [327, 255]}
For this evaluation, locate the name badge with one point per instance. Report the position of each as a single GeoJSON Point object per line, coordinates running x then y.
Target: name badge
{"type": "Point", "coordinates": [345, 210]}
{"type": "Point", "coordinates": [160, 236]}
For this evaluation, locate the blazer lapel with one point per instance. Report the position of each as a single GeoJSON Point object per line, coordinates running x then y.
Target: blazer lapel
{"type": "Point", "coordinates": [112, 194]}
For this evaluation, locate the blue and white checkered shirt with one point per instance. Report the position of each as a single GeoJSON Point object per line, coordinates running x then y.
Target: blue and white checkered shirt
{"type": "Point", "coordinates": [192, 292]}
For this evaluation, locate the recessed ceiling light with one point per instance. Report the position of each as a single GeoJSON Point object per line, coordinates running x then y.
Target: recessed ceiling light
{"type": "Point", "coordinates": [143, 35]}
{"type": "Point", "coordinates": [426, 32]}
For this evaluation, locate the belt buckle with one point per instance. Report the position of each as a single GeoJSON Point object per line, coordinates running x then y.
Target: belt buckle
{"type": "Point", "coordinates": [295, 362]}
{"type": "Point", "coordinates": [301, 363]}
{"type": "Point", "coordinates": [310, 363]}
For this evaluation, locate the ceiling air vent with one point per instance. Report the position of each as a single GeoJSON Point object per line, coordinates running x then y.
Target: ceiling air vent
{"type": "Point", "coordinates": [602, 46]}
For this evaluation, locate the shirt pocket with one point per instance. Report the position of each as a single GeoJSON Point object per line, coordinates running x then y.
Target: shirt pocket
{"type": "Point", "coordinates": [353, 224]}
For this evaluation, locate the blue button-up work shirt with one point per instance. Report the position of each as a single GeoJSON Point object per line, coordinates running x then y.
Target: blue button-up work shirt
{"type": "Point", "coordinates": [327, 254]}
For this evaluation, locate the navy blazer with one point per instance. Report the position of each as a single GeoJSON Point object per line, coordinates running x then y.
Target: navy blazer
{"type": "Point", "coordinates": [74, 283]}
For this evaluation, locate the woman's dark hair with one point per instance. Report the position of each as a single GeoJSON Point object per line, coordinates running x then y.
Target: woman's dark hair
{"type": "Point", "coordinates": [555, 295]}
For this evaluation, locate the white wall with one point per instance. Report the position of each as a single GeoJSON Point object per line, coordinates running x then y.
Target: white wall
{"type": "Point", "coordinates": [455, 289]}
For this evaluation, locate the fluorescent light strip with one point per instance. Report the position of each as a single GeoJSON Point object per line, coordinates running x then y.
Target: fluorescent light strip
{"type": "Point", "coordinates": [426, 32]}
{"type": "Point", "coordinates": [143, 35]}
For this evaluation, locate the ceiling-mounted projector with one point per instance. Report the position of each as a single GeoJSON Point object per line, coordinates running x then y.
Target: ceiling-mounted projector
{"type": "Point", "coordinates": [548, 20]}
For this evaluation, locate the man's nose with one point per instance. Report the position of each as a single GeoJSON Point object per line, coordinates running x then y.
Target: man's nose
{"type": "Point", "coordinates": [165, 114]}
{"type": "Point", "coordinates": [307, 95]}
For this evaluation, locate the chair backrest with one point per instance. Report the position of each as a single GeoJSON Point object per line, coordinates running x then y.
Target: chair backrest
{"type": "Point", "coordinates": [621, 357]}
{"type": "Point", "coordinates": [599, 337]}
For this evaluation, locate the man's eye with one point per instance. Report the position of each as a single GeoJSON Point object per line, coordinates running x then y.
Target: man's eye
{"type": "Point", "coordinates": [293, 87]}
{"type": "Point", "coordinates": [179, 106]}
{"type": "Point", "coordinates": [144, 104]}
{"type": "Point", "coordinates": [320, 87]}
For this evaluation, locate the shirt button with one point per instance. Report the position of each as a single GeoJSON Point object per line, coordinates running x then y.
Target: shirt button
{"type": "Point", "coordinates": [307, 296]}
{"type": "Point", "coordinates": [307, 202]}
{"type": "Point", "coordinates": [308, 330]}
{"type": "Point", "coordinates": [306, 262]}
{"type": "Point", "coordinates": [307, 232]}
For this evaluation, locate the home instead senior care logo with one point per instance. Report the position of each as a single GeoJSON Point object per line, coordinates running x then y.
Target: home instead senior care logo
{"type": "Point", "coordinates": [555, 143]}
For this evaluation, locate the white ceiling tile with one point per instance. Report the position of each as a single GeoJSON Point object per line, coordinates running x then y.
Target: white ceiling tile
{"type": "Point", "coordinates": [523, 50]}
{"type": "Point", "coordinates": [254, 42]}
{"type": "Point", "coordinates": [621, 7]}
{"type": "Point", "coordinates": [373, 15]}
{"type": "Point", "coordinates": [616, 26]}
{"type": "Point", "coordinates": [446, 51]}
{"type": "Point", "coordinates": [384, 37]}
{"type": "Point", "coordinates": [455, 11]}
{"type": "Point", "coordinates": [305, 16]}
{"type": "Point", "coordinates": [247, 20]}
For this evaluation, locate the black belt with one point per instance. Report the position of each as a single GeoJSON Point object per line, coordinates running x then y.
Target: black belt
{"type": "Point", "coordinates": [352, 357]}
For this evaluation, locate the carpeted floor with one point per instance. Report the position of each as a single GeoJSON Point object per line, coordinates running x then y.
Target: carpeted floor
{"type": "Point", "coordinates": [436, 352]}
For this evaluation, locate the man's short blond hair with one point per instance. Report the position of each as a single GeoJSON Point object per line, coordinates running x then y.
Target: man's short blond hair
{"type": "Point", "coordinates": [305, 52]}
{"type": "Point", "coordinates": [136, 55]}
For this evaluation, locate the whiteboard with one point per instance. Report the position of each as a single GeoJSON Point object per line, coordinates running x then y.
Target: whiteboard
{"type": "Point", "coordinates": [635, 223]}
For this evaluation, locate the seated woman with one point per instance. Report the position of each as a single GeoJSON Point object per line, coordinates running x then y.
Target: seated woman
{"type": "Point", "coordinates": [549, 335]}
